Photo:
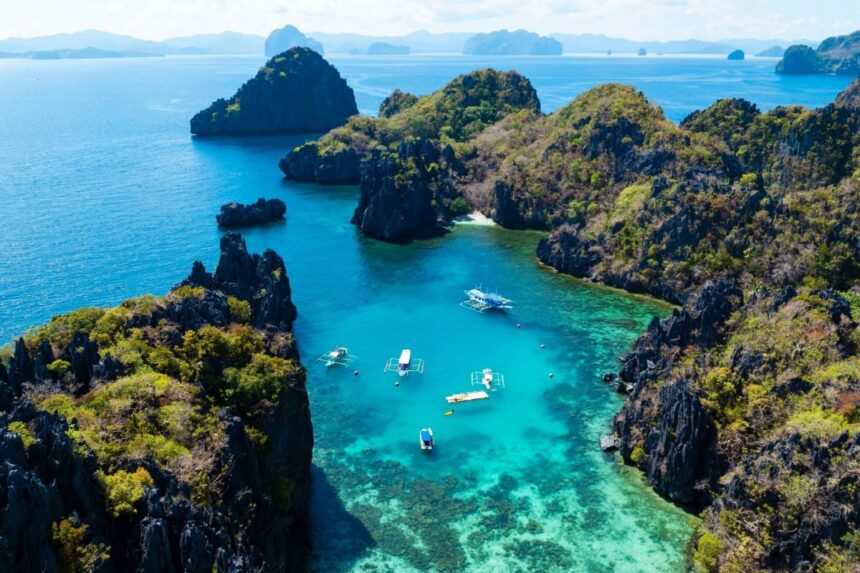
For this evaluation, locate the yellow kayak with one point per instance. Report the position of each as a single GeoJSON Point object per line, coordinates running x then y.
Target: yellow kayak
{"type": "Point", "coordinates": [449, 413]}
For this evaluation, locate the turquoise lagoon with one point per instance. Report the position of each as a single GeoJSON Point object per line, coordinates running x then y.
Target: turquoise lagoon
{"type": "Point", "coordinates": [105, 196]}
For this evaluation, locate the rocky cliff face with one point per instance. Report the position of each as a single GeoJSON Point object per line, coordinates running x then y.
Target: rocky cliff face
{"type": "Point", "coordinates": [235, 215]}
{"type": "Point", "coordinates": [749, 410]}
{"type": "Point", "coordinates": [167, 434]}
{"type": "Point", "coordinates": [664, 428]}
{"type": "Point", "coordinates": [296, 91]}
{"type": "Point", "coordinates": [404, 193]}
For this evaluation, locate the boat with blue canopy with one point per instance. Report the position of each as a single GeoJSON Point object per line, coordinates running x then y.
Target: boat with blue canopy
{"type": "Point", "coordinates": [425, 439]}
{"type": "Point", "coordinates": [480, 301]}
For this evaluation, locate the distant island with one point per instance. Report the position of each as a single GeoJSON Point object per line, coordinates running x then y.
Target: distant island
{"type": "Point", "coordinates": [81, 54]}
{"type": "Point", "coordinates": [420, 42]}
{"type": "Point", "coordinates": [642, 52]}
{"type": "Point", "coordinates": [516, 43]}
{"type": "Point", "coordinates": [288, 37]}
{"type": "Point", "coordinates": [386, 49]}
{"type": "Point", "coordinates": [295, 92]}
{"type": "Point", "coordinates": [736, 55]}
{"type": "Point", "coordinates": [836, 55]}
{"type": "Point", "coordinates": [772, 52]}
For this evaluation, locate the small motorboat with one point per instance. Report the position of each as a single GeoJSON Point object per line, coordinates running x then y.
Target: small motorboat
{"type": "Point", "coordinates": [425, 439]}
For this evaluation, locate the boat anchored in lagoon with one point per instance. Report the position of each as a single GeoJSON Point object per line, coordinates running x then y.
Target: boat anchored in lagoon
{"type": "Point", "coordinates": [339, 356]}
{"type": "Point", "coordinates": [480, 301]}
{"type": "Point", "coordinates": [490, 380]}
{"type": "Point", "coordinates": [425, 439]}
{"type": "Point", "coordinates": [405, 364]}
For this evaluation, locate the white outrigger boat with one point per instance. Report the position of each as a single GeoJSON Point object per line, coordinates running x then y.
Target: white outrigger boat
{"type": "Point", "coordinates": [490, 380]}
{"type": "Point", "coordinates": [339, 356]}
{"type": "Point", "coordinates": [480, 301]}
{"type": "Point", "coordinates": [425, 439]}
{"type": "Point", "coordinates": [405, 364]}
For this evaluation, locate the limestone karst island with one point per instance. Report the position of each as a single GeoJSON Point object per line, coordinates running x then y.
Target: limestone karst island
{"type": "Point", "coordinates": [452, 287]}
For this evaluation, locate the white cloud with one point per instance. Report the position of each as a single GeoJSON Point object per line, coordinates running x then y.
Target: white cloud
{"type": "Point", "coordinates": [635, 19]}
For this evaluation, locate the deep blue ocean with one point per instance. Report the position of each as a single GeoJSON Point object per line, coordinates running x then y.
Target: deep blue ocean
{"type": "Point", "coordinates": [104, 195]}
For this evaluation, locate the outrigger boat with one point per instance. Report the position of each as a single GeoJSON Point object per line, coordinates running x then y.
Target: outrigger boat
{"type": "Point", "coordinates": [466, 397]}
{"type": "Point", "coordinates": [339, 356]}
{"type": "Point", "coordinates": [405, 364]}
{"type": "Point", "coordinates": [480, 301]}
{"type": "Point", "coordinates": [489, 379]}
{"type": "Point", "coordinates": [425, 439]}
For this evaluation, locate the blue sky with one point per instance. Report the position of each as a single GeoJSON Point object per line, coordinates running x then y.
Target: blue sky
{"type": "Point", "coordinates": [634, 19]}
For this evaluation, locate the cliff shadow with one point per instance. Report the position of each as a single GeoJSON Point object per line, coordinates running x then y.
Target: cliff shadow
{"type": "Point", "coordinates": [338, 539]}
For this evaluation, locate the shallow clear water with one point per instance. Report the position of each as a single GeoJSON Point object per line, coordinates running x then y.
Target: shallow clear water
{"type": "Point", "coordinates": [105, 196]}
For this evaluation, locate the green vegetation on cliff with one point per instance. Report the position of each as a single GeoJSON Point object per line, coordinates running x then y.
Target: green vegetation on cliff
{"type": "Point", "coordinates": [450, 116]}
{"type": "Point", "coordinates": [463, 108]}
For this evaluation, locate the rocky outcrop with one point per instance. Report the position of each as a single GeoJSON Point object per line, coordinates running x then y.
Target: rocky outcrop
{"type": "Point", "coordinates": [403, 193]}
{"type": "Point", "coordinates": [736, 55]}
{"type": "Point", "coordinates": [264, 211]}
{"type": "Point", "coordinates": [259, 279]}
{"type": "Point", "coordinates": [335, 167]}
{"type": "Point", "coordinates": [240, 506]}
{"type": "Point", "coordinates": [288, 37]}
{"type": "Point", "coordinates": [516, 43]}
{"type": "Point", "coordinates": [836, 55]}
{"type": "Point", "coordinates": [295, 92]}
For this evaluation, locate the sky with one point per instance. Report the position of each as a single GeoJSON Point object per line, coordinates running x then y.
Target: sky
{"type": "Point", "coordinates": [633, 19]}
